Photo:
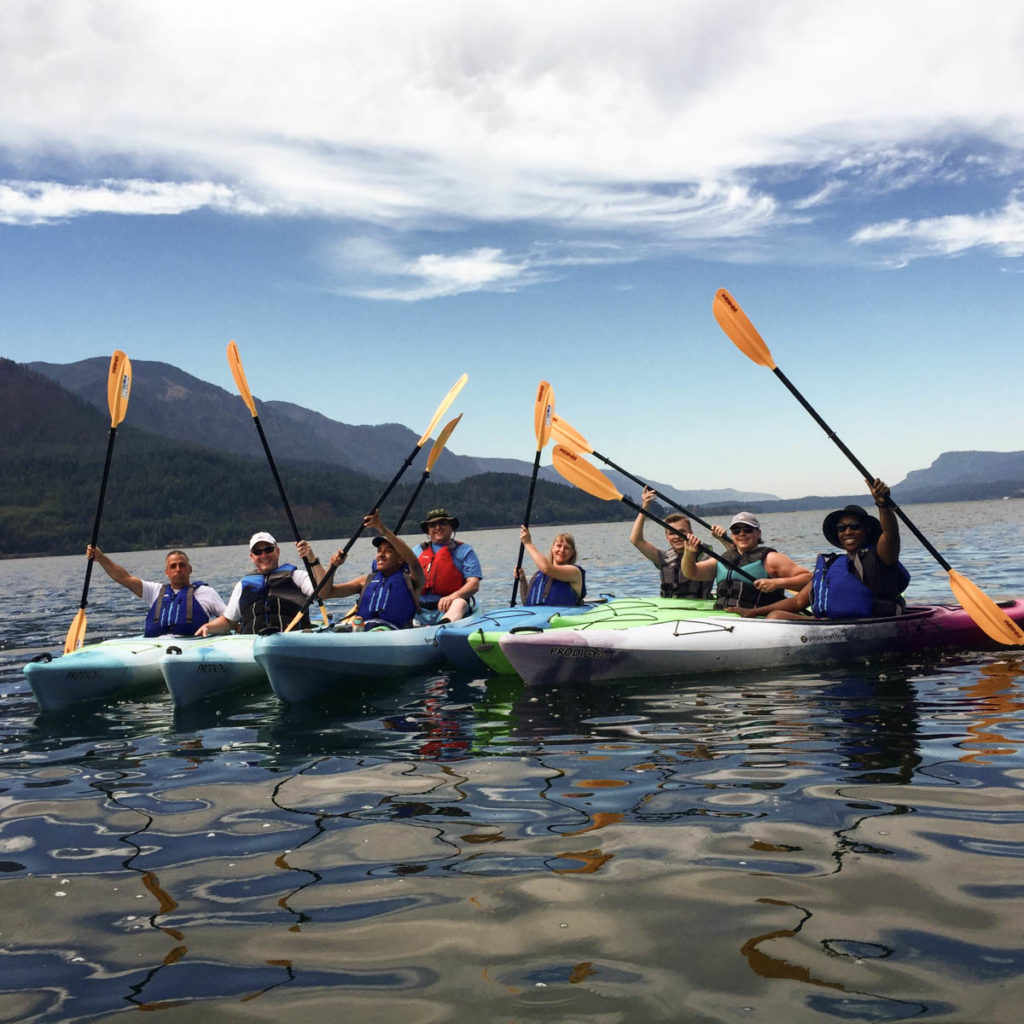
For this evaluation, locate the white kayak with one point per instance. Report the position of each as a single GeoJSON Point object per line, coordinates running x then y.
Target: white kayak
{"type": "Point", "coordinates": [728, 643]}
{"type": "Point", "coordinates": [209, 667]}
{"type": "Point", "coordinates": [319, 663]}
{"type": "Point", "coordinates": [110, 668]}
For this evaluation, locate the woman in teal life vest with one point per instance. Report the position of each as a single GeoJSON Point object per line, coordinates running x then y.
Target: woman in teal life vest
{"type": "Point", "coordinates": [558, 579]}
{"type": "Point", "coordinates": [865, 580]}
{"type": "Point", "coordinates": [773, 572]}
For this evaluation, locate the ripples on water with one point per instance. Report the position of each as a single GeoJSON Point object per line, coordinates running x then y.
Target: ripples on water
{"type": "Point", "coordinates": [809, 847]}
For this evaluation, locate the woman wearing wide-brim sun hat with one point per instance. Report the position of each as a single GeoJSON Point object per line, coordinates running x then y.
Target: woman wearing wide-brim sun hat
{"type": "Point", "coordinates": [451, 567]}
{"type": "Point", "coordinates": [864, 580]}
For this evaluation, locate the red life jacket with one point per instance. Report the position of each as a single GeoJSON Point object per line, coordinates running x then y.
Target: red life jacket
{"type": "Point", "coordinates": [442, 574]}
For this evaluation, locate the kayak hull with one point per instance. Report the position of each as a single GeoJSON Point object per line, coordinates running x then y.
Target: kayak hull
{"type": "Point", "coordinates": [729, 643]}
{"type": "Point", "coordinates": [209, 668]}
{"type": "Point", "coordinates": [454, 638]}
{"type": "Point", "coordinates": [621, 613]}
{"type": "Point", "coordinates": [304, 666]}
{"type": "Point", "coordinates": [111, 668]}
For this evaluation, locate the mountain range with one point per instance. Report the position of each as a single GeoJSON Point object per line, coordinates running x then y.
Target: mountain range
{"type": "Point", "coordinates": [190, 469]}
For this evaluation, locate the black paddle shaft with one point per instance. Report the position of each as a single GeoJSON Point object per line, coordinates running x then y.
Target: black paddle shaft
{"type": "Point", "coordinates": [861, 468]}
{"type": "Point", "coordinates": [99, 512]}
{"type": "Point", "coordinates": [526, 523]}
{"type": "Point", "coordinates": [679, 533]}
{"type": "Point", "coordinates": [643, 483]}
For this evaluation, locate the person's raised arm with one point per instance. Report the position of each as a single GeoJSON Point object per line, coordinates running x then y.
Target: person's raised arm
{"type": "Point", "coordinates": [888, 546]}
{"type": "Point", "coordinates": [636, 535]}
{"type": "Point", "coordinates": [116, 572]}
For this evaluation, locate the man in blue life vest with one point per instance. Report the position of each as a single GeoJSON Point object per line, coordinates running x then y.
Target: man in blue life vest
{"type": "Point", "coordinates": [268, 598]}
{"type": "Point", "coordinates": [865, 580]}
{"type": "Point", "coordinates": [176, 608]}
{"type": "Point", "coordinates": [451, 569]}
{"type": "Point", "coordinates": [389, 595]}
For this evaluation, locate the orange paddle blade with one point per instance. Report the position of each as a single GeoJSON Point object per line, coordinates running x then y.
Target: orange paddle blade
{"type": "Point", "coordinates": [543, 413]}
{"type": "Point", "coordinates": [988, 616]}
{"type": "Point", "coordinates": [442, 440]}
{"type": "Point", "coordinates": [583, 474]}
{"type": "Point", "coordinates": [119, 386]}
{"type": "Point", "coordinates": [742, 333]}
{"type": "Point", "coordinates": [76, 634]}
{"type": "Point", "coordinates": [568, 435]}
{"type": "Point", "coordinates": [443, 408]}
{"type": "Point", "coordinates": [235, 362]}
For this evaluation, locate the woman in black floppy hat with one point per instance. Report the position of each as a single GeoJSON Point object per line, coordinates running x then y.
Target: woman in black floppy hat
{"type": "Point", "coordinates": [866, 579]}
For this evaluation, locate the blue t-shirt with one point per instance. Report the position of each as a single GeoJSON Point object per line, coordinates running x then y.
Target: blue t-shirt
{"type": "Point", "coordinates": [463, 556]}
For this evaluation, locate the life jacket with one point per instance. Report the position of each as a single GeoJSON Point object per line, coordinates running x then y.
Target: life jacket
{"type": "Point", "coordinates": [390, 598]}
{"type": "Point", "coordinates": [738, 591]}
{"type": "Point", "coordinates": [178, 613]}
{"type": "Point", "coordinates": [270, 601]}
{"type": "Point", "coordinates": [839, 592]}
{"type": "Point", "coordinates": [675, 584]}
{"type": "Point", "coordinates": [545, 590]}
{"type": "Point", "coordinates": [442, 574]}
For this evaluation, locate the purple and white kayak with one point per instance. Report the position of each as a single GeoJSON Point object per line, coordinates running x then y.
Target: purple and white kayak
{"type": "Point", "coordinates": [728, 643]}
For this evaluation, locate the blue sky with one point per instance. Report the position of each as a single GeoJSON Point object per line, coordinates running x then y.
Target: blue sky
{"type": "Point", "coordinates": [374, 199]}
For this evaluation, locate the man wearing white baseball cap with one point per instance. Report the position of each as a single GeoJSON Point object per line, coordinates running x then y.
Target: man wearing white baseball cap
{"type": "Point", "coordinates": [268, 598]}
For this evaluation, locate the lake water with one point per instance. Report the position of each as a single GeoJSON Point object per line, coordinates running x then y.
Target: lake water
{"type": "Point", "coordinates": [837, 845]}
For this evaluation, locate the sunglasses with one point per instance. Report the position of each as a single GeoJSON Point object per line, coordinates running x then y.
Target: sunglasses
{"type": "Point", "coordinates": [847, 527]}
{"type": "Point", "coordinates": [259, 552]}
{"type": "Point", "coordinates": [741, 529]}
{"type": "Point", "coordinates": [438, 522]}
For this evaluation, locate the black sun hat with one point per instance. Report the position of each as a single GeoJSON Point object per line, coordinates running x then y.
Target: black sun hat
{"type": "Point", "coordinates": [872, 527]}
{"type": "Point", "coordinates": [442, 514]}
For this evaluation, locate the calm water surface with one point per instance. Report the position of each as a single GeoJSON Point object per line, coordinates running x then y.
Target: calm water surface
{"type": "Point", "coordinates": [844, 845]}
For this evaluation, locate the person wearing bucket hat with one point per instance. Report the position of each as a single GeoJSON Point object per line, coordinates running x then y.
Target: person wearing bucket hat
{"type": "Point", "coordinates": [773, 572]}
{"type": "Point", "coordinates": [389, 596]}
{"type": "Point", "coordinates": [451, 568]}
{"type": "Point", "coordinates": [866, 579]}
{"type": "Point", "coordinates": [271, 595]}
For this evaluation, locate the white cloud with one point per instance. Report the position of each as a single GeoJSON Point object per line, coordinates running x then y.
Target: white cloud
{"type": "Point", "coordinates": [999, 230]}
{"type": "Point", "coordinates": [674, 126]}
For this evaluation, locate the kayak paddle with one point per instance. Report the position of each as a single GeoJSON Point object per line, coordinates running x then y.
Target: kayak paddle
{"type": "Point", "coordinates": [989, 617]}
{"type": "Point", "coordinates": [435, 454]}
{"type": "Point", "coordinates": [119, 387]}
{"type": "Point", "coordinates": [235, 362]}
{"type": "Point", "coordinates": [568, 435]}
{"type": "Point", "coordinates": [589, 478]}
{"type": "Point", "coordinates": [441, 410]}
{"type": "Point", "coordinates": [543, 415]}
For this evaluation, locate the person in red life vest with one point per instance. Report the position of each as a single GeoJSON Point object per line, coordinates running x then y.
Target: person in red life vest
{"type": "Point", "coordinates": [866, 580]}
{"type": "Point", "coordinates": [388, 596]}
{"type": "Point", "coordinates": [268, 598]}
{"type": "Point", "coordinates": [176, 608]}
{"type": "Point", "coordinates": [451, 568]}
{"type": "Point", "coordinates": [558, 579]}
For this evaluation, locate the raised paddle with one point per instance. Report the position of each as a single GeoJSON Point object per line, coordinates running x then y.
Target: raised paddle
{"type": "Point", "coordinates": [568, 435]}
{"type": "Point", "coordinates": [435, 454]}
{"type": "Point", "coordinates": [589, 478]}
{"type": "Point", "coordinates": [989, 617]}
{"type": "Point", "coordinates": [235, 362]}
{"type": "Point", "coordinates": [119, 387]}
{"type": "Point", "coordinates": [441, 410]}
{"type": "Point", "coordinates": [543, 415]}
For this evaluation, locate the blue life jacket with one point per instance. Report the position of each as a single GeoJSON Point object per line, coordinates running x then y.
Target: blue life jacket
{"type": "Point", "coordinates": [738, 591]}
{"type": "Point", "coordinates": [544, 590]}
{"type": "Point", "coordinates": [178, 613]}
{"type": "Point", "coordinates": [837, 592]}
{"type": "Point", "coordinates": [270, 601]}
{"type": "Point", "coordinates": [389, 598]}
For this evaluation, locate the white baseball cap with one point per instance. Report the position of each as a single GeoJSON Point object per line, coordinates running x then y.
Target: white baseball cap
{"type": "Point", "coordinates": [266, 538]}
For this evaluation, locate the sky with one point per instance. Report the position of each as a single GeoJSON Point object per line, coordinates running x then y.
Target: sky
{"type": "Point", "coordinates": [372, 199]}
